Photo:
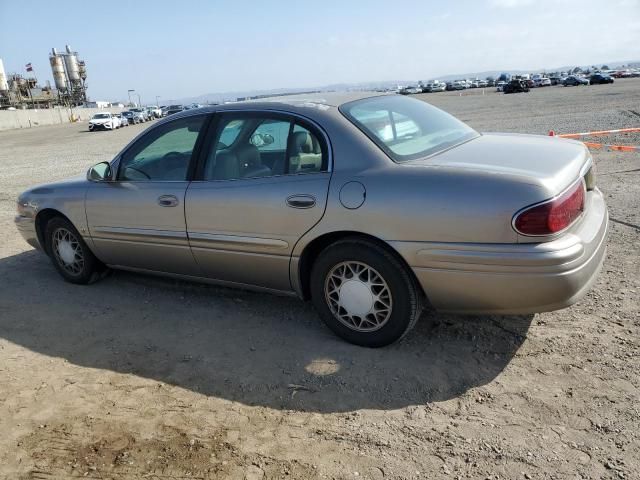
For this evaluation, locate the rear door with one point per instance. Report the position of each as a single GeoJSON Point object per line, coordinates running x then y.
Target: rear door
{"type": "Point", "coordinates": [262, 184]}
{"type": "Point", "coordinates": [137, 220]}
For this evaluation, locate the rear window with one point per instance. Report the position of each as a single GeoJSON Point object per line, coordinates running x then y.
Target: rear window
{"type": "Point", "coordinates": [405, 128]}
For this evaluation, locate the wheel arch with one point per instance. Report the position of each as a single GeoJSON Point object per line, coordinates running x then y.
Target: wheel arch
{"type": "Point", "coordinates": [318, 244]}
{"type": "Point", "coordinates": [42, 218]}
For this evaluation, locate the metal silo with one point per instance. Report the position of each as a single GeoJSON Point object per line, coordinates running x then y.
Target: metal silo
{"type": "Point", "coordinates": [4, 86]}
{"type": "Point", "coordinates": [57, 68]}
{"type": "Point", "coordinates": [71, 60]}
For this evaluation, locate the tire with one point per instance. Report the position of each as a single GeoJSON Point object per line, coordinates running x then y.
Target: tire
{"type": "Point", "coordinates": [398, 300]}
{"type": "Point", "coordinates": [86, 268]}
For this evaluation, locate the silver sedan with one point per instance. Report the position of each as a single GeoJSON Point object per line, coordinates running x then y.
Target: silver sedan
{"type": "Point", "coordinates": [371, 206]}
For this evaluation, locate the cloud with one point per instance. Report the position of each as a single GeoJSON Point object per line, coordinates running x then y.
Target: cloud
{"type": "Point", "coordinates": [510, 3]}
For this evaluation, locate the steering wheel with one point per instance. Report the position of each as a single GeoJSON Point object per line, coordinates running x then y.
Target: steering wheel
{"type": "Point", "coordinates": [139, 171]}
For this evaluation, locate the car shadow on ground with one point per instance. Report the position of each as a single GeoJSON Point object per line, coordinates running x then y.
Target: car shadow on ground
{"type": "Point", "coordinates": [253, 348]}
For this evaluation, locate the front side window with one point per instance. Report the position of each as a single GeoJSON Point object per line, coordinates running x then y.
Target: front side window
{"type": "Point", "coordinates": [258, 146]}
{"type": "Point", "coordinates": [163, 154]}
{"type": "Point", "coordinates": [406, 129]}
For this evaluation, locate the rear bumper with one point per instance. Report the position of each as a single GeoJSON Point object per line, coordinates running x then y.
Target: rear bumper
{"type": "Point", "coordinates": [512, 278]}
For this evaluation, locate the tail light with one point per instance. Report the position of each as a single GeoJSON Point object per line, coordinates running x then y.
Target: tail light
{"type": "Point", "coordinates": [552, 216]}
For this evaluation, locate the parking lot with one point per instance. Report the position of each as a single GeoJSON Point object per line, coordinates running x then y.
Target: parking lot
{"type": "Point", "coordinates": [140, 377]}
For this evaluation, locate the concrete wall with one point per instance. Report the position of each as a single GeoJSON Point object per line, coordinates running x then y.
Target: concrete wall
{"type": "Point", "coordinates": [10, 119]}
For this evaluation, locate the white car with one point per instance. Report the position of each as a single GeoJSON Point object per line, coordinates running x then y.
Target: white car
{"type": "Point", "coordinates": [412, 90]}
{"type": "Point", "coordinates": [155, 110]}
{"type": "Point", "coordinates": [500, 86]}
{"type": "Point", "coordinates": [104, 121]}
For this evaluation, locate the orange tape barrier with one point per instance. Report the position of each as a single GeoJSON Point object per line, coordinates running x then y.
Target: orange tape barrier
{"type": "Point", "coordinates": [592, 134]}
{"type": "Point", "coordinates": [619, 148]}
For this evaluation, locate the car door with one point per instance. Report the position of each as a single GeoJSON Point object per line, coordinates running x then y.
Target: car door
{"type": "Point", "coordinates": [137, 220]}
{"type": "Point", "coordinates": [263, 182]}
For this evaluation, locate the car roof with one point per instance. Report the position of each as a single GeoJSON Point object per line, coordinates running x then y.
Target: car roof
{"type": "Point", "coordinates": [331, 99]}
{"type": "Point", "coordinates": [313, 105]}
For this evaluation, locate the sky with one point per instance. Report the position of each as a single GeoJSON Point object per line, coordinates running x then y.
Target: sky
{"type": "Point", "coordinates": [177, 49]}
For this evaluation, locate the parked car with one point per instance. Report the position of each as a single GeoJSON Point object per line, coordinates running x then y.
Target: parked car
{"type": "Point", "coordinates": [574, 80]}
{"type": "Point", "coordinates": [155, 111]}
{"type": "Point", "coordinates": [600, 78]}
{"type": "Point", "coordinates": [104, 121]}
{"type": "Point", "coordinates": [545, 82]}
{"type": "Point", "coordinates": [132, 117]}
{"type": "Point", "coordinates": [163, 110]}
{"type": "Point", "coordinates": [516, 86]}
{"type": "Point", "coordinates": [143, 113]}
{"type": "Point", "coordinates": [500, 86]}
{"type": "Point", "coordinates": [370, 223]}
{"type": "Point", "coordinates": [410, 90]}
{"type": "Point", "coordinates": [437, 87]}
{"type": "Point", "coordinates": [174, 109]}
{"type": "Point", "coordinates": [556, 80]}
{"type": "Point", "coordinates": [124, 121]}
{"type": "Point", "coordinates": [622, 74]}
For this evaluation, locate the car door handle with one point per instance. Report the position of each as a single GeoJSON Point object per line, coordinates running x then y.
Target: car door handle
{"type": "Point", "coordinates": [167, 200]}
{"type": "Point", "coordinates": [301, 201]}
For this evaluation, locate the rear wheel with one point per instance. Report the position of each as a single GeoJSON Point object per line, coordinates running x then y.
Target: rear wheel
{"type": "Point", "coordinates": [70, 254]}
{"type": "Point", "coordinates": [364, 294]}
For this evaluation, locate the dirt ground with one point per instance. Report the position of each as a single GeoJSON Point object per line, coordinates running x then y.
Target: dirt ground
{"type": "Point", "coordinates": [137, 377]}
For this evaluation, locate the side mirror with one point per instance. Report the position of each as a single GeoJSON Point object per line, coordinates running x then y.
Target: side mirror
{"type": "Point", "coordinates": [100, 172]}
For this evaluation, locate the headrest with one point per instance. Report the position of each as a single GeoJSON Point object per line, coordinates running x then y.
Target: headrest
{"type": "Point", "coordinates": [301, 142]}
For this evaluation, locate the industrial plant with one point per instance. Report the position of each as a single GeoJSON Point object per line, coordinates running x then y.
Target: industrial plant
{"type": "Point", "coordinates": [69, 90]}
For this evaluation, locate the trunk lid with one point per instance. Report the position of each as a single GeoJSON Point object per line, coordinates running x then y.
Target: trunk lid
{"type": "Point", "coordinates": [549, 162]}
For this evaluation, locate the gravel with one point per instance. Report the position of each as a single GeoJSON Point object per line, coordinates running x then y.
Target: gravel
{"type": "Point", "coordinates": [142, 377]}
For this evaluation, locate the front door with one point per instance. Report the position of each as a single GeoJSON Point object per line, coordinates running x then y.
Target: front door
{"type": "Point", "coordinates": [137, 220]}
{"type": "Point", "coordinates": [263, 185]}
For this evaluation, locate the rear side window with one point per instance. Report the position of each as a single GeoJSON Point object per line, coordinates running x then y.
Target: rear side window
{"type": "Point", "coordinates": [406, 129]}
{"type": "Point", "coordinates": [248, 146]}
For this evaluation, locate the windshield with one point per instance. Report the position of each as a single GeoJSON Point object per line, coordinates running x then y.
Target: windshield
{"type": "Point", "coordinates": [102, 115]}
{"type": "Point", "coordinates": [406, 128]}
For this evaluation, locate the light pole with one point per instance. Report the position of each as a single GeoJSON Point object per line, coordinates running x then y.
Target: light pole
{"type": "Point", "coordinates": [157, 101]}
{"type": "Point", "coordinates": [129, 92]}
{"type": "Point", "coordinates": [139, 101]}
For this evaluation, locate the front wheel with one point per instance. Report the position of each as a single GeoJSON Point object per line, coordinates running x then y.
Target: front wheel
{"type": "Point", "coordinates": [70, 254]}
{"type": "Point", "coordinates": [364, 294]}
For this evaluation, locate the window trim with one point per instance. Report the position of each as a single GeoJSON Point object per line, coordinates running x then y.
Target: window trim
{"type": "Point", "coordinates": [195, 153]}
{"type": "Point", "coordinates": [293, 118]}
